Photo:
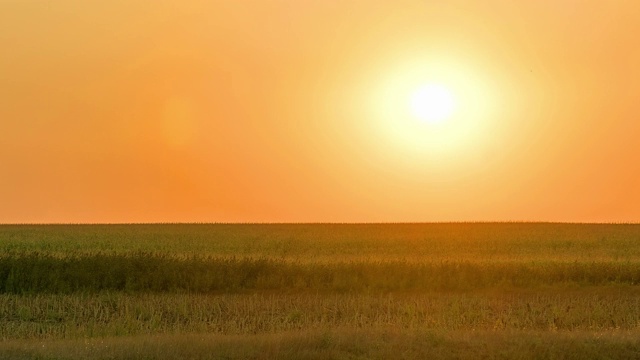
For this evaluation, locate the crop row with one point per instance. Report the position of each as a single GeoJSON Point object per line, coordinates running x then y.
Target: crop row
{"type": "Point", "coordinates": [335, 242]}
{"type": "Point", "coordinates": [119, 314]}
{"type": "Point", "coordinates": [41, 273]}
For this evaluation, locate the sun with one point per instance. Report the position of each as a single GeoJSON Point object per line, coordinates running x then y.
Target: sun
{"type": "Point", "coordinates": [437, 111]}
{"type": "Point", "coordinates": [432, 103]}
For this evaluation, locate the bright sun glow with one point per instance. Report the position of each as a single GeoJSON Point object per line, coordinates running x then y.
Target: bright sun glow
{"type": "Point", "coordinates": [432, 103]}
{"type": "Point", "coordinates": [433, 111]}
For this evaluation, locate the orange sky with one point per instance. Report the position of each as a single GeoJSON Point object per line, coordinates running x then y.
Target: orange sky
{"type": "Point", "coordinates": [288, 111]}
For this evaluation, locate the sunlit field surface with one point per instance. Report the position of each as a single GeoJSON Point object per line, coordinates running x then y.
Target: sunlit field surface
{"type": "Point", "coordinates": [320, 291]}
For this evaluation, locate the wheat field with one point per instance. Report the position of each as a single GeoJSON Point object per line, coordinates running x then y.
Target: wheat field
{"type": "Point", "coordinates": [220, 291]}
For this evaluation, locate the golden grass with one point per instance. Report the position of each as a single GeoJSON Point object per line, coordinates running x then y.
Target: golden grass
{"type": "Point", "coordinates": [412, 291]}
{"type": "Point", "coordinates": [115, 314]}
{"type": "Point", "coordinates": [482, 242]}
{"type": "Point", "coordinates": [338, 343]}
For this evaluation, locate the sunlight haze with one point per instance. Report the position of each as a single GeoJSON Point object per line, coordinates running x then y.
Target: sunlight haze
{"type": "Point", "coordinates": [319, 111]}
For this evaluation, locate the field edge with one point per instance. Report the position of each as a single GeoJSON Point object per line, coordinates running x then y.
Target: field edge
{"type": "Point", "coordinates": [379, 343]}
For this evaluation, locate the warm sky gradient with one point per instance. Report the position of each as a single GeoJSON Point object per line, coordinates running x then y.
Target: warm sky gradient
{"type": "Point", "coordinates": [290, 110]}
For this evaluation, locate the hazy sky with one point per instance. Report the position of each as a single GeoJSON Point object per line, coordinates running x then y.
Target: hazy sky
{"type": "Point", "coordinates": [290, 110]}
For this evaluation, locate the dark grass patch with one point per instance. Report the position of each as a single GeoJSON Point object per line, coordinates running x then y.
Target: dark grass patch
{"type": "Point", "coordinates": [144, 272]}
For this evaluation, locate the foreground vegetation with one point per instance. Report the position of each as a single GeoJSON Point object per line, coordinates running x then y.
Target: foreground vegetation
{"type": "Point", "coordinates": [384, 343]}
{"type": "Point", "coordinates": [115, 314]}
{"type": "Point", "coordinates": [320, 291]}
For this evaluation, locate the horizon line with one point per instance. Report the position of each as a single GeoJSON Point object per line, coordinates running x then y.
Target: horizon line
{"type": "Point", "coordinates": [497, 222]}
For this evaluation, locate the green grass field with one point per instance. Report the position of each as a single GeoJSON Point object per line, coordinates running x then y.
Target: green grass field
{"type": "Point", "coordinates": [413, 291]}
